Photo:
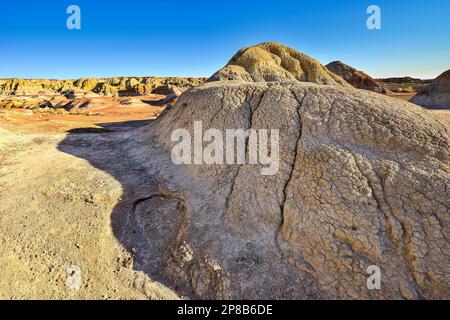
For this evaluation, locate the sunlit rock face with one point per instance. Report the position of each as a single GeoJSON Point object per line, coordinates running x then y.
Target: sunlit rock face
{"type": "Point", "coordinates": [363, 180]}
{"type": "Point", "coordinates": [272, 61]}
{"type": "Point", "coordinates": [107, 86]}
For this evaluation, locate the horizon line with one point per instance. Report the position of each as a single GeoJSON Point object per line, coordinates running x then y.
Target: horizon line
{"type": "Point", "coordinates": [197, 77]}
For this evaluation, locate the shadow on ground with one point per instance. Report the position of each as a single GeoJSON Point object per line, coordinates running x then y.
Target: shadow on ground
{"type": "Point", "coordinates": [161, 102]}
{"type": "Point", "coordinates": [112, 127]}
{"type": "Point", "coordinates": [144, 217]}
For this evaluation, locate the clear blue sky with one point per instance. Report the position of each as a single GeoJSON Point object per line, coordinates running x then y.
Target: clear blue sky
{"type": "Point", "coordinates": [195, 38]}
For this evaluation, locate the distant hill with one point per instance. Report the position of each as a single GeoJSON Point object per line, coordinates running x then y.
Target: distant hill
{"type": "Point", "coordinates": [405, 84]}
{"type": "Point", "coordinates": [356, 78]}
{"type": "Point", "coordinates": [270, 61]}
{"type": "Point", "coordinates": [404, 80]}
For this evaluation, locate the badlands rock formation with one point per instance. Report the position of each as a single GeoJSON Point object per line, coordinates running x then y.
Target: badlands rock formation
{"type": "Point", "coordinates": [107, 86]}
{"type": "Point", "coordinates": [271, 61]}
{"type": "Point", "coordinates": [356, 78]}
{"type": "Point", "coordinates": [24, 102]}
{"type": "Point", "coordinates": [81, 94]}
{"type": "Point", "coordinates": [363, 180]}
{"type": "Point", "coordinates": [436, 94]}
{"type": "Point", "coordinates": [172, 93]}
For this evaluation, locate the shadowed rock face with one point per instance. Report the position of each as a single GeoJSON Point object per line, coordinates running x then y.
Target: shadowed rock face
{"type": "Point", "coordinates": [274, 62]}
{"type": "Point", "coordinates": [356, 78]}
{"type": "Point", "coordinates": [363, 180]}
{"type": "Point", "coordinates": [436, 94]}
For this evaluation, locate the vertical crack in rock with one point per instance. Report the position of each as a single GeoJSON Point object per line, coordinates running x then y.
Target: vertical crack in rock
{"type": "Point", "coordinates": [405, 245]}
{"type": "Point", "coordinates": [250, 125]}
{"type": "Point", "coordinates": [292, 167]}
{"type": "Point", "coordinates": [256, 107]}
{"type": "Point", "coordinates": [388, 213]}
{"type": "Point", "coordinates": [227, 200]}
{"type": "Point", "coordinates": [222, 104]}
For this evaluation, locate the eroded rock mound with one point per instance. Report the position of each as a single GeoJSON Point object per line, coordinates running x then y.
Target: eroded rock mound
{"type": "Point", "coordinates": [436, 94]}
{"type": "Point", "coordinates": [356, 78]}
{"type": "Point", "coordinates": [363, 180]}
{"type": "Point", "coordinates": [131, 101]}
{"type": "Point", "coordinates": [272, 61]}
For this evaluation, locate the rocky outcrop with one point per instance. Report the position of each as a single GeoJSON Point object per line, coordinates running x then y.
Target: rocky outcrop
{"type": "Point", "coordinates": [23, 87]}
{"type": "Point", "coordinates": [274, 62]}
{"type": "Point", "coordinates": [23, 102]}
{"type": "Point", "coordinates": [363, 180]}
{"type": "Point", "coordinates": [171, 92]}
{"type": "Point", "coordinates": [76, 93]}
{"type": "Point", "coordinates": [131, 101]}
{"type": "Point", "coordinates": [108, 87]}
{"type": "Point", "coordinates": [356, 78]}
{"type": "Point", "coordinates": [436, 94]}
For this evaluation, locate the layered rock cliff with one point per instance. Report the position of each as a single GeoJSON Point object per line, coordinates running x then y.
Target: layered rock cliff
{"type": "Point", "coordinates": [107, 86]}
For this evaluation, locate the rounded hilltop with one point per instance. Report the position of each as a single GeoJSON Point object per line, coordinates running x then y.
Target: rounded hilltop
{"type": "Point", "coordinates": [361, 181]}
{"type": "Point", "coordinates": [271, 61]}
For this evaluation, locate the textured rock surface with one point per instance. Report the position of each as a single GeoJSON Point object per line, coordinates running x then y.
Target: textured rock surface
{"type": "Point", "coordinates": [363, 180]}
{"type": "Point", "coordinates": [76, 93]}
{"type": "Point", "coordinates": [436, 94]}
{"type": "Point", "coordinates": [271, 61]}
{"type": "Point", "coordinates": [356, 78]}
